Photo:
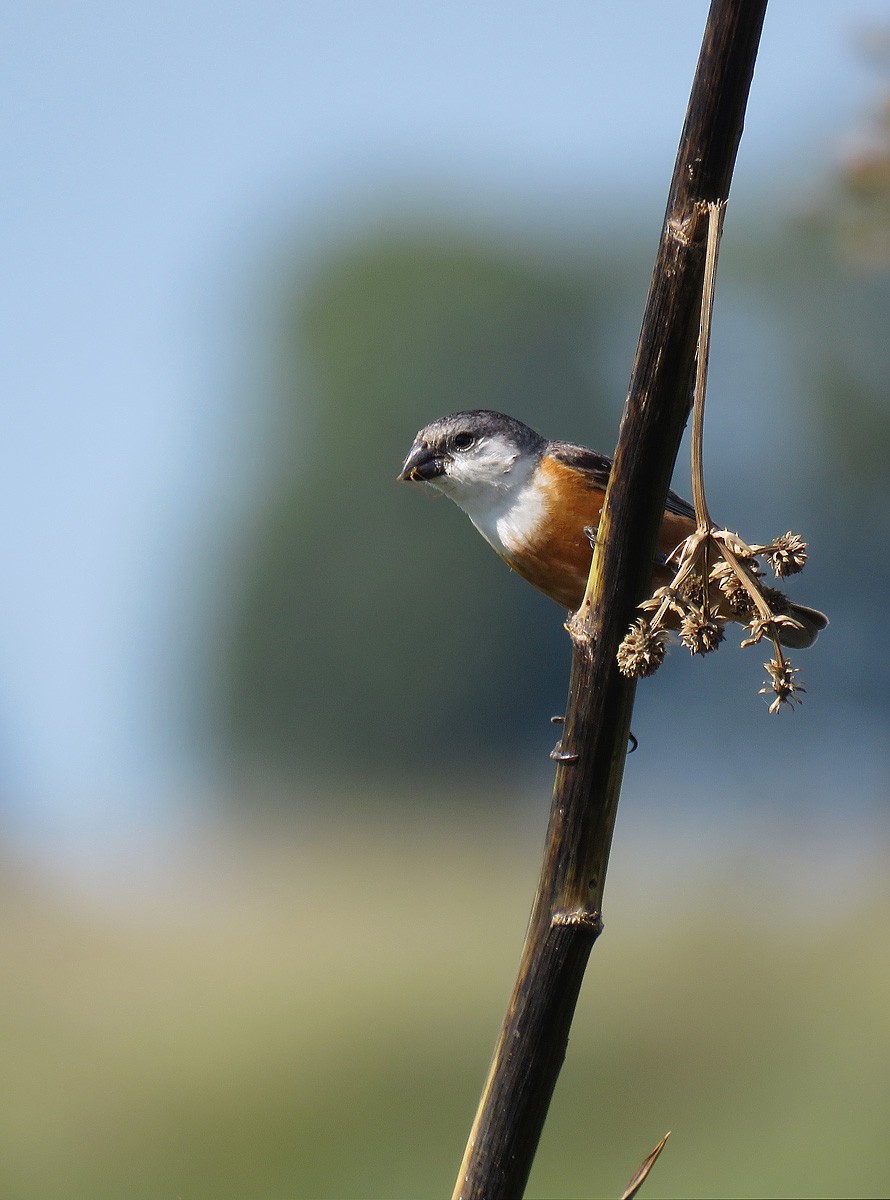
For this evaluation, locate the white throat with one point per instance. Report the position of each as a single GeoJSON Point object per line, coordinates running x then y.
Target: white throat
{"type": "Point", "coordinates": [502, 501]}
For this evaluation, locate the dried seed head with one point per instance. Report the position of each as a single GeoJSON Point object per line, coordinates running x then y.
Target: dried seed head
{"type": "Point", "coordinates": [692, 589]}
{"type": "Point", "coordinates": [737, 595]}
{"type": "Point", "coordinates": [663, 601]}
{"type": "Point", "coordinates": [655, 601]}
{"type": "Point", "coordinates": [643, 649]}
{"type": "Point", "coordinates": [700, 634]}
{"type": "Point", "coordinates": [781, 684]}
{"type": "Point", "coordinates": [787, 554]}
{"type": "Point", "coordinates": [718, 578]}
{"type": "Point", "coordinates": [761, 627]}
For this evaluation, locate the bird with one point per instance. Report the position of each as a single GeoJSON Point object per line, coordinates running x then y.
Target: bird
{"type": "Point", "coordinates": [538, 503]}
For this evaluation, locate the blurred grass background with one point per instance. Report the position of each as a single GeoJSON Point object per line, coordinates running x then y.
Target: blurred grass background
{"type": "Point", "coordinates": [311, 1013]}
{"type": "Point", "coordinates": [274, 730]}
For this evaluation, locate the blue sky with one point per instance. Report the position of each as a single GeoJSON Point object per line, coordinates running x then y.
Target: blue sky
{"type": "Point", "coordinates": [154, 157]}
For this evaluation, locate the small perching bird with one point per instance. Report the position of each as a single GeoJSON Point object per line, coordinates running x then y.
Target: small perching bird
{"type": "Point", "coordinates": [538, 503]}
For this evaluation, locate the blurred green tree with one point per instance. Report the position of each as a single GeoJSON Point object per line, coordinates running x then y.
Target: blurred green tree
{"type": "Point", "coordinates": [374, 627]}
{"type": "Point", "coordinates": [374, 632]}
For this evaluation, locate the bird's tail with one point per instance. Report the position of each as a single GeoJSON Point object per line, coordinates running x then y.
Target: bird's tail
{"type": "Point", "coordinates": [810, 621]}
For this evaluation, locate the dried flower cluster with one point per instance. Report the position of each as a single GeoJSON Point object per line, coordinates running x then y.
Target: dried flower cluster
{"type": "Point", "coordinates": [717, 578]}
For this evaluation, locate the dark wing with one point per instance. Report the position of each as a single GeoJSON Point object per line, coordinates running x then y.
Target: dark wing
{"type": "Point", "coordinates": [597, 467]}
{"type": "Point", "coordinates": [676, 504]}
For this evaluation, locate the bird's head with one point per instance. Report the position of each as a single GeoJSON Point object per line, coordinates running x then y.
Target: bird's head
{"type": "Point", "coordinates": [470, 455]}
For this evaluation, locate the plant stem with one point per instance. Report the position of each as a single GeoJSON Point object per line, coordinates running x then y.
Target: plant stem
{"type": "Point", "coordinates": [716, 213]}
{"type": "Point", "coordinates": [566, 918]}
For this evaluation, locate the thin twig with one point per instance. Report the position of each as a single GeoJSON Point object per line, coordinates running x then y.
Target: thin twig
{"type": "Point", "coordinates": [641, 1174]}
{"type": "Point", "coordinates": [716, 212]}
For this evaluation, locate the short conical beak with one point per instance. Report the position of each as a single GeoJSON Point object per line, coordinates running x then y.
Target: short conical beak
{"type": "Point", "coordinates": [422, 465]}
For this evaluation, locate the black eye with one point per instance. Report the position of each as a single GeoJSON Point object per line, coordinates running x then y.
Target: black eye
{"type": "Point", "coordinates": [463, 441]}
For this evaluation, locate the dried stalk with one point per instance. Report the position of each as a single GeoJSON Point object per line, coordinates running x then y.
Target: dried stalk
{"type": "Point", "coordinates": [716, 576]}
{"type": "Point", "coordinates": [566, 918]}
{"type": "Point", "coordinates": [641, 1174]}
